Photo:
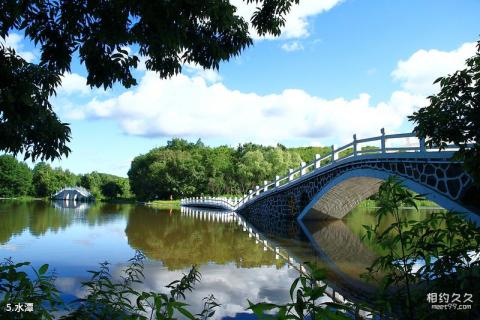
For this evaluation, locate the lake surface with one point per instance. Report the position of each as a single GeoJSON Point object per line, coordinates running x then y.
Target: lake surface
{"type": "Point", "coordinates": [236, 262]}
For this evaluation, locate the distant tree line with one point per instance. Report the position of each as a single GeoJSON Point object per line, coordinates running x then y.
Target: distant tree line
{"type": "Point", "coordinates": [183, 169]}
{"type": "Point", "coordinates": [17, 179]}
{"type": "Point", "coordinates": [179, 169]}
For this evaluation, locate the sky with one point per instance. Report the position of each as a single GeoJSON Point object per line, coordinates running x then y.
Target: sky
{"type": "Point", "coordinates": [340, 67]}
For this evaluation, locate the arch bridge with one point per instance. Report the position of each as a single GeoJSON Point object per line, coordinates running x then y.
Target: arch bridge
{"type": "Point", "coordinates": [73, 194]}
{"type": "Point", "coordinates": [331, 186]}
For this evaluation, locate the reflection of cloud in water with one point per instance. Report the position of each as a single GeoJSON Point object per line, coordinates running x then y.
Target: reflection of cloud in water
{"type": "Point", "coordinates": [230, 285]}
{"type": "Point", "coordinates": [118, 231]}
{"type": "Point", "coordinates": [84, 242]}
{"type": "Point", "coordinates": [10, 247]}
{"type": "Point", "coordinates": [71, 285]}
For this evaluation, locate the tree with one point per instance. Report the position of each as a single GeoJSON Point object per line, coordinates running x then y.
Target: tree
{"type": "Point", "coordinates": [15, 177]}
{"type": "Point", "coordinates": [27, 121]}
{"type": "Point", "coordinates": [111, 189]}
{"type": "Point", "coordinates": [47, 181]}
{"type": "Point", "coordinates": [252, 169]}
{"type": "Point", "coordinates": [105, 185]}
{"type": "Point", "coordinates": [44, 181]}
{"type": "Point", "coordinates": [453, 115]}
{"type": "Point", "coordinates": [168, 33]}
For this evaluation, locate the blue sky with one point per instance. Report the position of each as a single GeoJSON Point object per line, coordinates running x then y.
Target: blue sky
{"type": "Point", "coordinates": [339, 68]}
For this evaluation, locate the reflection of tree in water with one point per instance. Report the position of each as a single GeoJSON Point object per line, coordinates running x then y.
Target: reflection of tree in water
{"type": "Point", "coordinates": [180, 241]}
{"type": "Point", "coordinates": [14, 218]}
{"type": "Point", "coordinates": [44, 217]}
{"type": "Point", "coordinates": [39, 217]}
{"type": "Point", "coordinates": [366, 216]}
{"type": "Point", "coordinates": [101, 213]}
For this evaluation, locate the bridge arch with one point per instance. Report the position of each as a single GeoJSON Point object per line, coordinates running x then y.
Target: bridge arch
{"type": "Point", "coordinates": [344, 192]}
{"type": "Point", "coordinates": [73, 194]}
{"type": "Point", "coordinates": [273, 206]}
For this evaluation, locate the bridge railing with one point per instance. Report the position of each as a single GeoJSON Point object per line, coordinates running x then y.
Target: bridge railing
{"type": "Point", "coordinates": [217, 202]}
{"type": "Point", "coordinates": [385, 144]}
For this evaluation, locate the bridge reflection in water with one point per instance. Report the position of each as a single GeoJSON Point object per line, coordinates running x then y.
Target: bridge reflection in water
{"type": "Point", "coordinates": [330, 239]}
{"type": "Point", "coordinates": [71, 205]}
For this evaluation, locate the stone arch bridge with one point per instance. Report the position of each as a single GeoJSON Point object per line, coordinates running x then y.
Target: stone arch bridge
{"type": "Point", "coordinates": [329, 187]}
{"type": "Point", "coordinates": [73, 194]}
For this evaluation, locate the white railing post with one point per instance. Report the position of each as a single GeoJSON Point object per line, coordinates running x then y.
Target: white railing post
{"type": "Point", "coordinates": [250, 194]}
{"type": "Point", "coordinates": [265, 188]}
{"type": "Point", "coordinates": [290, 174]}
{"type": "Point", "coordinates": [317, 161]}
{"type": "Point", "coordinates": [277, 181]}
{"type": "Point", "coordinates": [334, 156]}
{"type": "Point", "coordinates": [421, 141]}
{"type": "Point", "coordinates": [303, 169]}
{"type": "Point", "coordinates": [382, 140]}
{"type": "Point", "coordinates": [354, 145]}
{"type": "Point", "coordinates": [257, 190]}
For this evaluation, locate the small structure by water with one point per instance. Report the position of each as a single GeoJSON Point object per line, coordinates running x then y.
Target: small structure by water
{"type": "Point", "coordinates": [74, 194]}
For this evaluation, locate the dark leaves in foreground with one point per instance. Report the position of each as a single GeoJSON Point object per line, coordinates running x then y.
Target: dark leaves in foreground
{"type": "Point", "coordinates": [105, 299]}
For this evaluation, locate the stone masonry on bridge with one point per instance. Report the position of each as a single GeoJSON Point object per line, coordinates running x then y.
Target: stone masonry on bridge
{"type": "Point", "coordinates": [329, 187]}
{"type": "Point", "coordinates": [335, 192]}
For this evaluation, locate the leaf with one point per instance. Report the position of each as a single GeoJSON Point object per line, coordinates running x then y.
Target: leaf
{"type": "Point", "coordinates": [293, 286]}
{"type": "Point", "coordinates": [43, 269]}
{"type": "Point", "coordinates": [186, 313]}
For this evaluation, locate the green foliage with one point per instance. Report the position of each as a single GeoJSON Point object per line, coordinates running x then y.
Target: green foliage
{"type": "Point", "coordinates": [365, 149]}
{"type": "Point", "coordinates": [452, 115]}
{"type": "Point", "coordinates": [17, 180]}
{"type": "Point", "coordinates": [182, 169]}
{"type": "Point", "coordinates": [103, 185]}
{"type": "Point", "coordinates": [47, 180]}
{"type": "Point", "coordinates": [16, 287]}
{"type": "Point", "coordinates": [178, 241]}
{"type": "Point", "coordinates": [442, 243]}
{"type": "Point", "coordinates": [305, 292]}
{"type": "Point", "coordinates": [111, 189]}
{"type": "Point", "coordinates": [28, 124]}
{"type": "Point", "coordinates": [15, 177]}
{"type": "Point", "coordinates": [308, 153]}
{"type": "Point", "coordinates": [168, 33]}
{"type": "Point", "coordinates": [106, 298]}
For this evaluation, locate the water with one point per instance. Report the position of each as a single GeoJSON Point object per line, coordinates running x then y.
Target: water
{"type": "Point", "coordinates": [235, 264]}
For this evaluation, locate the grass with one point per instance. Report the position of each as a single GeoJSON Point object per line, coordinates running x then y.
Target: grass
{"type": "Point", "coordinates": [24, 198]}
{"type": "Point", "coordinates": [370, 203]}
{"type": "Point", "coordinates": [164, 203]}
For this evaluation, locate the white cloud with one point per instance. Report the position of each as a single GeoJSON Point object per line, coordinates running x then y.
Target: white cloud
{"type": "Point", "coordinates": [73, 83]}
{"type": "Point", "coordinates": [292, 46]}
{"type": "Point", "coordinates": [190, 107]}
{"type": "Point", "coordinates": [297, 24]}
{"type": "Point", "coordinates": [14, 41]}
{"type": "Point", "coordinates": [209, 75]}
{"type": "Point", "coordinates": [231, 286]}
{"type": "Point", "coordinates": [418, 72]}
